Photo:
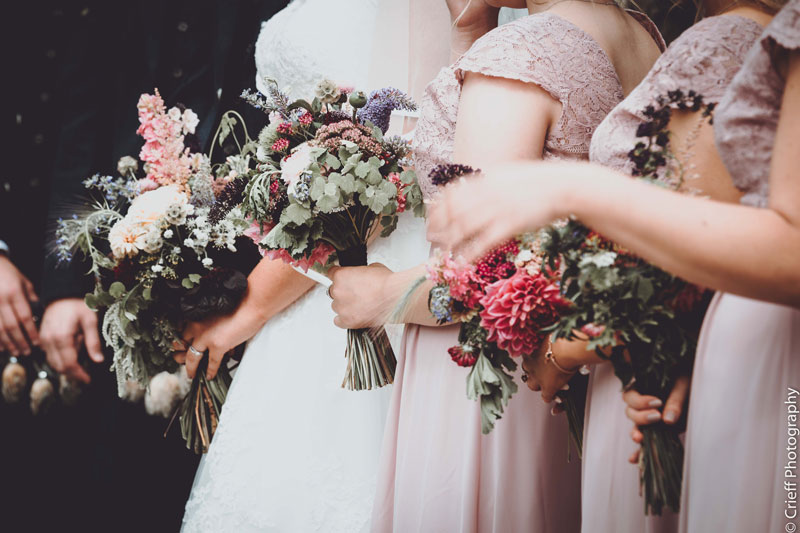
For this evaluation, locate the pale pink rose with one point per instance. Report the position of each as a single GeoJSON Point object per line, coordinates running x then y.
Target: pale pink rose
{"type": "Point", "coordinates": [146, 184]}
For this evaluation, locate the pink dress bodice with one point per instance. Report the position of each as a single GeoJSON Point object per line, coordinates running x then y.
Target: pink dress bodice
{"type": "Point", "coordinates": [704, 58]}
{"type": "Point", "coordinates": [542, 49]}
{"type": "Point", "coordinates": [747, 117]}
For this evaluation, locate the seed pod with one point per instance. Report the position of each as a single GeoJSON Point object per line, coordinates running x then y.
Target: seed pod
{"type": "Point", "coordinates": [15, 380]}
{"type": "Point", "coordinates": [358, 99]}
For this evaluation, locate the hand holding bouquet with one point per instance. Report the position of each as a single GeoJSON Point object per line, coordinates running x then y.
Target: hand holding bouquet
{"type": "Point", "coordinates": [643, 319]}
{"type": "Point", "coordinates": [505, 302]}
{"type": "Point", "coordinates": [158, 260]}
{"type": "Point", "coordinates": [326, 182]}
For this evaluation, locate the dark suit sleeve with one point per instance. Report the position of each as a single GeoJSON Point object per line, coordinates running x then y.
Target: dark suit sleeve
{"type": "Point", "coordinates": [83, 73]}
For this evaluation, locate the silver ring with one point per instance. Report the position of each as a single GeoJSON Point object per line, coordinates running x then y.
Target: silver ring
{"type": "Point", "coordinates": [195, 351]}
{"type": "Point", "coordinates": [328, 292]}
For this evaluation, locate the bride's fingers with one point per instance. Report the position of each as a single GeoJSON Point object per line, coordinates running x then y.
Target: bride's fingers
{"type": "Point", "coordinates": [214, 362]}
{"type": "Point", "coordinates": [179, 357]}
{"type": "Point", "coordinates": [193, 357]}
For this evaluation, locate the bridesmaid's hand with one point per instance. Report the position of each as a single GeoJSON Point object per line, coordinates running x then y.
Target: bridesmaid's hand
{"type": "Point", "coordinates": [644, 410]}
{"type": "Point", "coordinates": [475, 215]}
{"type": "Point", "coordinates": [358, 295]}
{"type": "Point", "coordinates": [544, 376]}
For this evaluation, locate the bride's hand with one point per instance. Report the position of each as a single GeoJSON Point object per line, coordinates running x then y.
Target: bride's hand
{"type": "Point", "coordinates": [358, 295]}
{"type": "Point", "coordinates": [218, 335]}
{"type": "Point", "coordinates": [473, 216]}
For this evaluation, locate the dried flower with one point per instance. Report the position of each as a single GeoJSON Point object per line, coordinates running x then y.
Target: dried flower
{"type": "Point", "coordinates": [127, 165]}
{"type": "Point", "coordinates": [381, 103]}
{"type": "Point", "coordinates": [327, 91]}
{"type": "Point", "coordinates": [43, 395]}
{"type": "Point", "coordinates": [14, 381]}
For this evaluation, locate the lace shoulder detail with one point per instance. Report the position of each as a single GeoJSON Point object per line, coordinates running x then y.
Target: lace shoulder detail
{"type": "Point", "coordinates": [784, 30]}
{"type": "Point", "coordinates": [542, 49]}
{"type": "Point", "coordinates": [706, 57]}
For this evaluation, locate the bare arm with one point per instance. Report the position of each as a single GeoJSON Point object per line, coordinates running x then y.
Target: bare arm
{"type": "Point", "coordinates": [743, 250]}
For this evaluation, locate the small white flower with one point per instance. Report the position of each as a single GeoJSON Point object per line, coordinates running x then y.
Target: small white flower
{"type": "Point", "coordinates": [207, 262]}
{"type": "Point", "coordinates": [174, 114]}
{"type": "Point", "coordinates": [152, 241]}
{"type": "Point", "coordinates": [190, 121]}
{"type": "Point", "coordinates": [176, 250]}
{"type": "Point", "coordinates": [168, 234]}
{"type": "Point", "coordinates": [524, 256]}
{"type": "Point", "coordinates": [600, 259]}
{"type": "Point", "coordinates": [188, 242]}
{"type": "Point", "coordinates": [157, 268]}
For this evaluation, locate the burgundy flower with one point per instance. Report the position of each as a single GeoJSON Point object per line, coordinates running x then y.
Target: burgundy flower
{"type": "Point", "coordinates": [306, 119]}
{"type": "Point", "coordinates": [496, 265]}
{"type": "Point", "coordinates": [462, 355]}
{"type": "Point", "coordinates": [285, 128]}
{"type": "Point", "coordinates": [516, 309]}
{"type": "Point", "coordinates": [280, 145]}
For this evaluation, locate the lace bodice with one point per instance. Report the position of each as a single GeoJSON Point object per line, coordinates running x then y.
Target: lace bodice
{"type": "Point", "coordinates": [543, 49]}
{"type": "Point", "coordinates": [301, 31]}
{"type": "Point", "coordinates": [704, 58]}
{"type": "Point", "coordinates": [747, 117]}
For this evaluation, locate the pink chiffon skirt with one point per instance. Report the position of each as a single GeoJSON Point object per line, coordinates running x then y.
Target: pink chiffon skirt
{"type": "Point", "coordinates": [611, 499]}
{"type": "Point", "coordinates": [741, 426]}
{"type": "Point", "coordinates": [438, 473]}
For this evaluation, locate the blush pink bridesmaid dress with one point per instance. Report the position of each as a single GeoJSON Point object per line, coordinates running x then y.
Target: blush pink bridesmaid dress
{"type": "Point", "coordinates": [704, 58]}
{"type": "Point", "coordinates": [740, 436]}
{"type": "Point", "coordinates": [438, 473]}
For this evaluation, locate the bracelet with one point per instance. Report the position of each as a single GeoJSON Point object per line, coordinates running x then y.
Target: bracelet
{"type": "Point", "coordinates": [551, 358]}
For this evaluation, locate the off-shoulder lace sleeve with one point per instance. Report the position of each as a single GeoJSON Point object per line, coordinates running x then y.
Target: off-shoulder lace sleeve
{"type": "Point", "coordinates": [706, 57]}
{"type": "Point", "coordinates": [783, 33]}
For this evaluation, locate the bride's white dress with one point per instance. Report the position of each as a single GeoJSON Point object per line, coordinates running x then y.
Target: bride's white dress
{"type": "Point", "coordinates": [294, 452]}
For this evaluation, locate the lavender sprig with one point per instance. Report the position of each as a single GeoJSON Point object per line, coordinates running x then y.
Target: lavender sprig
{"type": "Point", "coordinates": [380, 105]}
{"type": "Point", "coordinates": [444, 174]}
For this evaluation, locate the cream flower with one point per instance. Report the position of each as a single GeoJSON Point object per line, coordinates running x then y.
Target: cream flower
{"type": "Point", "coordinates": [295, 165]}
{"type": "Point", "coordinates": [126, 238]}
{"type": "Point", "coordinates": [152, 205]}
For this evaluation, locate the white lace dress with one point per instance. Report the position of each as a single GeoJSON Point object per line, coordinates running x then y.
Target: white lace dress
{"type": "Point", "coordinates": [294, 452]}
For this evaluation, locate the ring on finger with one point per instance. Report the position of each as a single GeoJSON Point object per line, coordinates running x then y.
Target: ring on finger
{"type": "Point", "coordinates": [328, 291]}
{"type": "Point", "coordinates": [195, 351]}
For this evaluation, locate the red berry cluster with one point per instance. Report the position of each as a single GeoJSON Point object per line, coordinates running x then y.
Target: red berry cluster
{"type": "Point", "coordinates": [496, 265]}
{"type": "Point", "coordinates": [285, 128]}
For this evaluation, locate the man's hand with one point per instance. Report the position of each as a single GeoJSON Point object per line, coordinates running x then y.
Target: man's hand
{"type": "Point", "coordinates": [66, 324]}
{"type": "Point", "coordinates": [17, 329]}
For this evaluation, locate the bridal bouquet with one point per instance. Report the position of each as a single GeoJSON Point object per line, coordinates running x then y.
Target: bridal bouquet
{"type": "Point", "coordinates": [158, 261]}
{"type": "Point", "coordinates": [643, 319]}
{"type": "Point", "coordinates": [326, 182]}
{"type": "Point", "coordinates": [504, 302]}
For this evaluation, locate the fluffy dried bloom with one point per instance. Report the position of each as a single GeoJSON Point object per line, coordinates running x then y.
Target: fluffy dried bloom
{"type": "Point", "coordinates": [14, 381]}
{"type": "Point", "coordinates": [163, 394]}
{"type": "Point", "coordinates": [43, 395]}
{"type": "Point", "coordinates": [516, 309]}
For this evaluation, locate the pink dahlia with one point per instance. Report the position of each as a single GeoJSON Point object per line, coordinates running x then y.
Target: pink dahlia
{"type": "Point", "coordinates": [517, 308]}
{"type": "Point", "coordinates": [462, 355]}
